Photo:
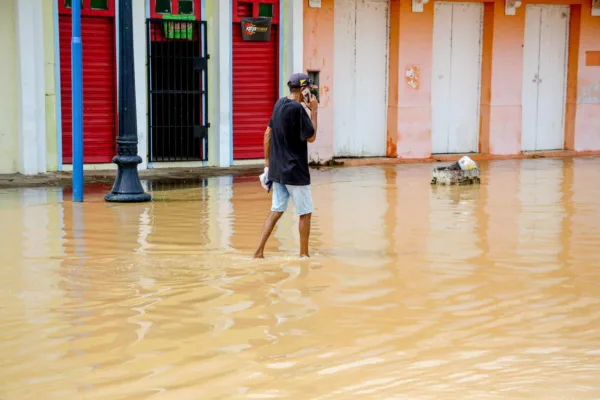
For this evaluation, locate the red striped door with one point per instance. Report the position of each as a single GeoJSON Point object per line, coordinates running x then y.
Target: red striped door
{"type": "Point", "coordinates": [255, 80]}
{"type": "Point", "coordinates": [99, 80]}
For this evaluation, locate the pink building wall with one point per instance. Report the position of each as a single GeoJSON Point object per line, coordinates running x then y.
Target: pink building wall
{"type": "Point", "coordinates": [587, 120]}
{"type": "Point", "coordinates": [410, 49]}
{"type": "Point", "coordinates": [409, 110]}
{"type": "Point", "coordinates": [506, 81]}
{"type": "Point", "coordinates": [583, 97]}
{"type": "Point", "coordinates": [318, 56]}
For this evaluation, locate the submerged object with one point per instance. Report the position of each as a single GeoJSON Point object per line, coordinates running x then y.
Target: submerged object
{"type": "Point", "coordinates": [462, 172]}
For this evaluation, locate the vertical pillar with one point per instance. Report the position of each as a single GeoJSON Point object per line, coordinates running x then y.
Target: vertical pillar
{"type": "Point", "coordinates": [294, 29]}
{"type": "Point", "coordinates": [9, 137]}
{"type": "Point", "coordinates": [31, 87]}
{"type": "Point", "coordinates": [52, 150]}
{"type": "Point", "coordinates": [318, 38]}
{"type": "Point", "coordinates": [394, 79]}
{"type": "Point", "coordinates": [297, 11]}
{"type": "Point", "coordinates": [411, 55]}
{"type": "Point", "coordinates": [140, 58]}
{"type": "Point", "coordinates": [219, 19]}
{"type": "Point", "coordinates": [77, 96]}
{"type": "Point", "coordinates": [587, 125]}
{"type": "Point", "coordinates": [486, 77]}
{"type": "Point", "coordinates": [505, 105]}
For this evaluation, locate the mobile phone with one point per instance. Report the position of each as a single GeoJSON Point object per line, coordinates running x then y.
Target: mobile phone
{"type": "Point", "coordinates": [306, 95]}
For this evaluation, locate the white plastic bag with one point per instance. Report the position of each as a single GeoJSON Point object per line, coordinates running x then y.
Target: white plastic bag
{"type": "Point", "coordinates": [264, 180]}
{"type": "Point", "coordinates": [466, 164]}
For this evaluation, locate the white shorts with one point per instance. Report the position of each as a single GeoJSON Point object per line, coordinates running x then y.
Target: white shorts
{"type": "Point", "coordinates": [301, 197]}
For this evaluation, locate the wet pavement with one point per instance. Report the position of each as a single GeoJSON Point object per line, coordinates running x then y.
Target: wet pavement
{"type": "Point", "coordinates": [413, 291]}
{"type": "Point", "coordinates": [172, 176]}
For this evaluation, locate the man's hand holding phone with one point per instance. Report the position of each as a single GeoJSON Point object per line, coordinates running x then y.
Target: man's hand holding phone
{"type": "Point", "coordinates": [310, 100]}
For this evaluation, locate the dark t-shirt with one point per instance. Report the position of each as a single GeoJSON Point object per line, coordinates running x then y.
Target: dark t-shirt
{"type": "Point", "coordinates": [291, 127]}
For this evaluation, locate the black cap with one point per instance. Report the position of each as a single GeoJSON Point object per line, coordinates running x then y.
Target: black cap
{"type": "Point", "coordinates": [300, 80]}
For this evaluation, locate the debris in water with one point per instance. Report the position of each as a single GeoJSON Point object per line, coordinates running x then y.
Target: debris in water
{"type": "Point", "coordinates": [462, 172]}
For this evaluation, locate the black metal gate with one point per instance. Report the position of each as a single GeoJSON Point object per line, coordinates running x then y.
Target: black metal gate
{"type": "Point", "coordinates": [177, 90]}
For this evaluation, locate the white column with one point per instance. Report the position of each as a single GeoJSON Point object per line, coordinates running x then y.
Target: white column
{"type": "Point", "coordinates": [140, 56]}
{"type": "Point", "coordinates": [225, 84]}
{"type": "Point", "coordinates": [220, 83]}
{"type": "Point", "coordinates": [30, 83]}
{"type": "Point", "coordinates": [295, 20]}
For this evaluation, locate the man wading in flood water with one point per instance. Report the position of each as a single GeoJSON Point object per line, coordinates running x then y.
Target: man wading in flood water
{"type": "Point", "coordinates": [286, 158]}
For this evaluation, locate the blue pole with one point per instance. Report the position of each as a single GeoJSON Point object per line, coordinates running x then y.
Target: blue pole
{"type": "Point", "coordinates": [77, 96]}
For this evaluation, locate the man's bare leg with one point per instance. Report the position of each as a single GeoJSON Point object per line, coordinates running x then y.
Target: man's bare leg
{"type": "Point", "coordinates": [266, 232]}
{"type": "Point", "coordinates": [304, 228]}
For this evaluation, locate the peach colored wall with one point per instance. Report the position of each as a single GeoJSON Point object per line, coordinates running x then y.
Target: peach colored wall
{"type": "Point", "coordinates": [506, 94]}
{"type": "Point", "coordinates": [587, 120]}
{"type": "Point", "coordinates": [409, 109]}
{"type": "Point", "coordinates": [393, 80]}
{"type": "Point", "coordinates": [507, 81]}
{"type": "Point", "coordinates": [318, 55]}
{"type": "Point", "coordinates": [486, 77]}
{"type": "Point", "coordinates": [572, 74]}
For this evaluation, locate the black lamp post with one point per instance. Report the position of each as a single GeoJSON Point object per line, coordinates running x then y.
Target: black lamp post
{"type": "Point", "coordinates": [127, 187]}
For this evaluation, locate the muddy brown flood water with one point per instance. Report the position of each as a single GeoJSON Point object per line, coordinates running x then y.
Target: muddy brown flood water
{"type": "Point", "coordinates": [413, 291]}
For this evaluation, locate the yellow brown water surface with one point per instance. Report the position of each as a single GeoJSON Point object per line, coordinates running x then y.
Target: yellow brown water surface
{"type": "Point", "coordinates": [413, 291]}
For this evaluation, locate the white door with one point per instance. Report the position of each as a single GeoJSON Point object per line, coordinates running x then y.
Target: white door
{"type": "Point", "coordinates": [544, 77]}
{"type": "Point", "coordinates": [360, 77]}
{"type": "Point", "coordinates": [456, 78]}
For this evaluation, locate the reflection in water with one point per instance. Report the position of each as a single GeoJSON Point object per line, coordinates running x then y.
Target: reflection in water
{"type": "Point", "coordinates": [415, 292]}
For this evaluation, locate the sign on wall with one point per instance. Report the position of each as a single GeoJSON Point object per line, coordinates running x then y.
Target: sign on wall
{"type": "Point", "coordinates": [175, 27]}
{"type": "Point", "coordinates": [592, 58]}
{"type": "Point", "coordinates": [256, 29]}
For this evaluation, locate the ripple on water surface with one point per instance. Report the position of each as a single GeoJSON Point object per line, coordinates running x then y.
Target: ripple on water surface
{"type": "Point", "coordinates": [413, 291]}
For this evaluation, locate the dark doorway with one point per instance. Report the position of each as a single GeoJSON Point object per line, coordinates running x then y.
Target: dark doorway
{"type": "Point", "coordinates": [177, 106]}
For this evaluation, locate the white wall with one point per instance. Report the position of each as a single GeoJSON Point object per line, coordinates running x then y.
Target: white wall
{"type": "Point", "coordinates": [140, 56]}
{"type": "Point", "coordinates": [360, 77]}
{"type": "Point", "coordinates": [220, 141]}
{"type": "Point", "coordinates": [28, 15]}
{"type": "Point", "coordinates": [455, 91]}
{"type": "Point", "coordinates": [544, 77]}
{"type": "Point", "coordinates": [50, 88]}
{"type": "Point", "coordinates": [293, 39]}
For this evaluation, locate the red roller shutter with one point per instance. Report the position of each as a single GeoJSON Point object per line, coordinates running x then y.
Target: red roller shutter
{"type": "Point", "coordinates": [99, 87]}
{"type": "Point", "coordinates": [255, 85]}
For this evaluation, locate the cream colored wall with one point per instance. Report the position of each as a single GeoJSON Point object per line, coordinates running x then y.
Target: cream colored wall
{"type": "Point", "coordinates": [50, 87]}
{"type": "Point", "coordinates": [9, 139]}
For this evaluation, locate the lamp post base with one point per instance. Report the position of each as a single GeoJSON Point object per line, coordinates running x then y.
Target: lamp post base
{"type": "Point", "coordinates": [128, 198]}
{"type": "Point", "coordinates": [127, 187]}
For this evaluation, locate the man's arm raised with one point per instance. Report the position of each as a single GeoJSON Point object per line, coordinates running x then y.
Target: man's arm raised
{"type": "Point", "coordinates": [313, 108]}
{"type": "Point", "coordinates": [267, 145]}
